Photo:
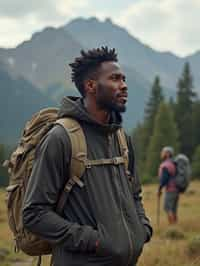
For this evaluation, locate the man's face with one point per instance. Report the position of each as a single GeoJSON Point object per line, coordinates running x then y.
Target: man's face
{"type": "Point", "coordinates": [111, 92]}
{"type": "Point", "coordinates": [164, 155]}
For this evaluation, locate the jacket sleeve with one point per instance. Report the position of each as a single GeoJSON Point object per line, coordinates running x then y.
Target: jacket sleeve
{"type": "Point", "coordinates": [46, 182]}
{"type": "Point", "coordinates": [137, 190]}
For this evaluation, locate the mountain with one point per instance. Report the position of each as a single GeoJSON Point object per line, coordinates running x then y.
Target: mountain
{"type": "Point", "coordinates": [19, 99]}
{"type": "Point", "coordinates": [132, 52]}
{"type": "Point", "coordinates": [138, 91]}
{"type": "Point", "coordinates": [194, 60]}
{"type": "Point", "coordinates": [43, 61]}
{"type": "Point", "coordinates": [44, 58]}
{"type": "Point", "coordinates": [36, 73]}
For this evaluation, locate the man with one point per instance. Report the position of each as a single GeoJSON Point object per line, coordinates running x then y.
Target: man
{"type": "Point", "coordinates": [104, 222]}
{"type": "Point", "coordinates": [167, 172]}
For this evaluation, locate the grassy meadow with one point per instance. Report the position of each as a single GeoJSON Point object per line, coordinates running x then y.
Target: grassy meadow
{"type": "Point", "coordinates": [171, 246]}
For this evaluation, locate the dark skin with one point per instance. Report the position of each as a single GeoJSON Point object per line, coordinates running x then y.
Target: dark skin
{"type": "Point", "coordinates": [106, 93]}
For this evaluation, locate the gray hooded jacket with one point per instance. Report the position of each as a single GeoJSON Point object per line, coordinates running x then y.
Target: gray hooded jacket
{"type": "Point", "coordinates": [104, 222]}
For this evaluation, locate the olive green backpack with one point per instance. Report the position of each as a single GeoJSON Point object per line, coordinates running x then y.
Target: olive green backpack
{"type": "Point", "coordinates": [20, 166]}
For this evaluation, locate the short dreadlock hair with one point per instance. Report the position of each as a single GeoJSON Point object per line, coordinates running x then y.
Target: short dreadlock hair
{"type": "Point", "coordinates": [86, 66]}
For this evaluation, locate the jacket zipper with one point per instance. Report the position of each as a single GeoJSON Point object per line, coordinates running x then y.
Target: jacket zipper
{"type": "Point", "coordinates": [121, 211]}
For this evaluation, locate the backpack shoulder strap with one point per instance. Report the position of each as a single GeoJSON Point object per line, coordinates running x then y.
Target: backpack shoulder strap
{"type": "Point", "coordinates": [123, 146]}
{"type": "Point", "coordinates": [78, 144]}
{"type": "Point", "coordinates": [78, 157]}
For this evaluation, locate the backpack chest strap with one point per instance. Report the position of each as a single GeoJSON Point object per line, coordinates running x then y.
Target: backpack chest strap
{"type": "Point", "coordinates": [115, 161]}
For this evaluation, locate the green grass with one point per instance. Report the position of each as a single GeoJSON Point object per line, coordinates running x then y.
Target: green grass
{"type": "Point", "coordinates": [167, 248]}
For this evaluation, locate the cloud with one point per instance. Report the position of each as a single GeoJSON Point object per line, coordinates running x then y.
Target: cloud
{"type": "Point", "coordinates": [23, 8]}
{"type": "Point", "coordinates": [20, 18]}
{"type": "Point", "coordinates": [165, 24]}
{"type": "Point", "coordinates": [19, 8]}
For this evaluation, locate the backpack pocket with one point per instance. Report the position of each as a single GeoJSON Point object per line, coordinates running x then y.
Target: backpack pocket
{"type": "Point", "coordinates": [24, 240]}
{"type": "Point", "coordinates": [13, 200]}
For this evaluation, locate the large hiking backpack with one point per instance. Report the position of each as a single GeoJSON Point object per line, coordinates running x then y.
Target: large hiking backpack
{"type": "Point", "coordinates": [20, 166]}
{"type": "Point", "coordinates": [183, 172]}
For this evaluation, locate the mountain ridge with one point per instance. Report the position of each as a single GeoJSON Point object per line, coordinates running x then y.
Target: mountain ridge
{"type": "Point", "coordinates": [40, 66]}
{"type": "Point", "coordinates": [80, 33]}
{"type": "Point", "coordinates": [19, 100]}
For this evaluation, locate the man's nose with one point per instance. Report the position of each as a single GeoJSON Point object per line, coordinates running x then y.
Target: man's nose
{"type": "Point", "coordinates": [123, 86]}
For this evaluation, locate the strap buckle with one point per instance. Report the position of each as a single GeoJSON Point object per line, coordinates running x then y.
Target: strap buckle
{"type": "Point", "coordinates": [88, 165]}
{"type": "Point", "coordinates": [117, 160]}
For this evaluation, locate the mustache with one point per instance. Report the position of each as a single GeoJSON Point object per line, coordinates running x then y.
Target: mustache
{"type": "Point", "coordinates": [122, 94]}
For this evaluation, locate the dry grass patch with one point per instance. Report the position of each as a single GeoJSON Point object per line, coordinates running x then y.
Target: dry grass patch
{"type": "Point", "coordinates": [193, 247]}
{"type": "Point", "coordinates": [161, 251]}
{"type": "Point", "coordinates": [174, 233]}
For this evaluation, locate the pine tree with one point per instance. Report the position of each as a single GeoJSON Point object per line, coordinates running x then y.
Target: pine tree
{"type": "Point", "coordinates": [196, 163]}
{"type": "Point", "coordinates": [196, 125]}
{"type": "Point", "coordinates": [138, 136]}
{"type": "Point", "coordinates": [143, 132]}
{"type": "Point", "coordinates": [183, 110]}
{"type": "Point", "coordinates": [146, 129]}
{"type": "Point", "coordinates": [156, 97]}
{"type": "Point", "coordinates": [165, 133]}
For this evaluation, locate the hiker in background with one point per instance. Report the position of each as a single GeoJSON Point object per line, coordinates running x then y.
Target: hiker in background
{"type": "Point", "coordinates": [103, 221]}
{"type": "Point", "coordinates": [167, 174]}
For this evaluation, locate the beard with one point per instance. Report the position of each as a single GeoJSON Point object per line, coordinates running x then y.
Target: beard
{"type": "Point", "coordinates": [114, 107]}
{"type": "Point", "coordinates": [108, 103]}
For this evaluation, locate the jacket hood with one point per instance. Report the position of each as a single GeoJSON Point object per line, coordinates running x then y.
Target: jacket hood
{"type": "Point", "coordinates": [73, 107]}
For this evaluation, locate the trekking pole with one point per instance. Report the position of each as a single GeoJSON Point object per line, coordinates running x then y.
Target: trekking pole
{"type": "Point", "coordinates": [158, 210]}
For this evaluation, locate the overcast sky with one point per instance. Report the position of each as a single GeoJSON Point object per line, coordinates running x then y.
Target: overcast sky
{"type": "Point", "coordinates": [166, 25]}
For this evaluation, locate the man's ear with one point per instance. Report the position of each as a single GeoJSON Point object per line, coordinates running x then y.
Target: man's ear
{"type": "Point", "coordinates": [90, 86]}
